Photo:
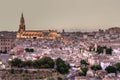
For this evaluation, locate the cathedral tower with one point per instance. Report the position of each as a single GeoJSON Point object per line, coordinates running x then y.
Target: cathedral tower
{"type": "Point", "coordinates": [22, 24]}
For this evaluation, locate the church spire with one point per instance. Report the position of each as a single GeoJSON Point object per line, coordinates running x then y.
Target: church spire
{"type": "Point", "coordinates": [22, 24]}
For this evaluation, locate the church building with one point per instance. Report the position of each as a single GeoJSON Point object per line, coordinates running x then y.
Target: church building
{"type": "Point", "coordinates": [43, 34]}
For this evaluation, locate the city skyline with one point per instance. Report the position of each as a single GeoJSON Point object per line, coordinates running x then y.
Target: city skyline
{"type": "Point", "coordinates": [82, 15]}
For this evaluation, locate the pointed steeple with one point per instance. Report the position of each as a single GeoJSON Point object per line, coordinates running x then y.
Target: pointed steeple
{"type": "Point", "coordinates": [22, 22]}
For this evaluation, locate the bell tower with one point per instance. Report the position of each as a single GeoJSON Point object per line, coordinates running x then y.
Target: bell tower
{"type": "Point", "coordinates": [22, 24]}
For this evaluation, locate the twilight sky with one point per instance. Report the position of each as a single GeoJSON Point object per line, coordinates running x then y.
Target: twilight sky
{"type": "Point", "coordinates": [60, 14]}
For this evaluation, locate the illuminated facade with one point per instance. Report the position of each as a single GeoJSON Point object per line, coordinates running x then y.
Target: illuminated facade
{"type": "Point", "coordinates": [23, 33]}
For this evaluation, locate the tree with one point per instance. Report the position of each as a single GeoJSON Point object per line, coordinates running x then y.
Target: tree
{"type": "Point", "coordinates": [59, 78]}
{"type": "Point", "coordinates": [111, 69]}
{"type": "Point", "coordinates": [16, 62]}
{"type": "Point", "coordinates": [81, 73]}
{"type": "Point", "coordinates": [109, 51]}
{"type": "Point", "coordinates": [31, 50]}
{"type": "Point", "coordinates": [117, 65]}
{"type": "Point", "coordinates": [28, 63]}
{"type": "Point", "coordinates": [61, 66]}
{"type": "Point", "coordinates": [84, 70]}
{"type": "Point", "coordinates": [83, 62]}
{"type": "Point", "coordinates": [36, 64]}
{"type": "Point", "coordinates": [59, 60]}
{"type": "Point", "coordinates": [47, 61]}
{"type": "Point", "coordinates": [100, 49]}
{"type": "Point", "coordinates": [96, 67]}
{"type": "Point", "coordinates": [27, 50]}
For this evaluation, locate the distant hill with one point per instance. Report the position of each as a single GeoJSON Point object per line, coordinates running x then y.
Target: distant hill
{"type": "Point", "coordinates": [113, 30]}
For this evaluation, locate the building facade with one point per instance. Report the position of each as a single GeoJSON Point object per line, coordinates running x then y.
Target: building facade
{"type": "Point", "coordinates": [23, 33]}
{"type": "Point", "coordinates": [7, 41]}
